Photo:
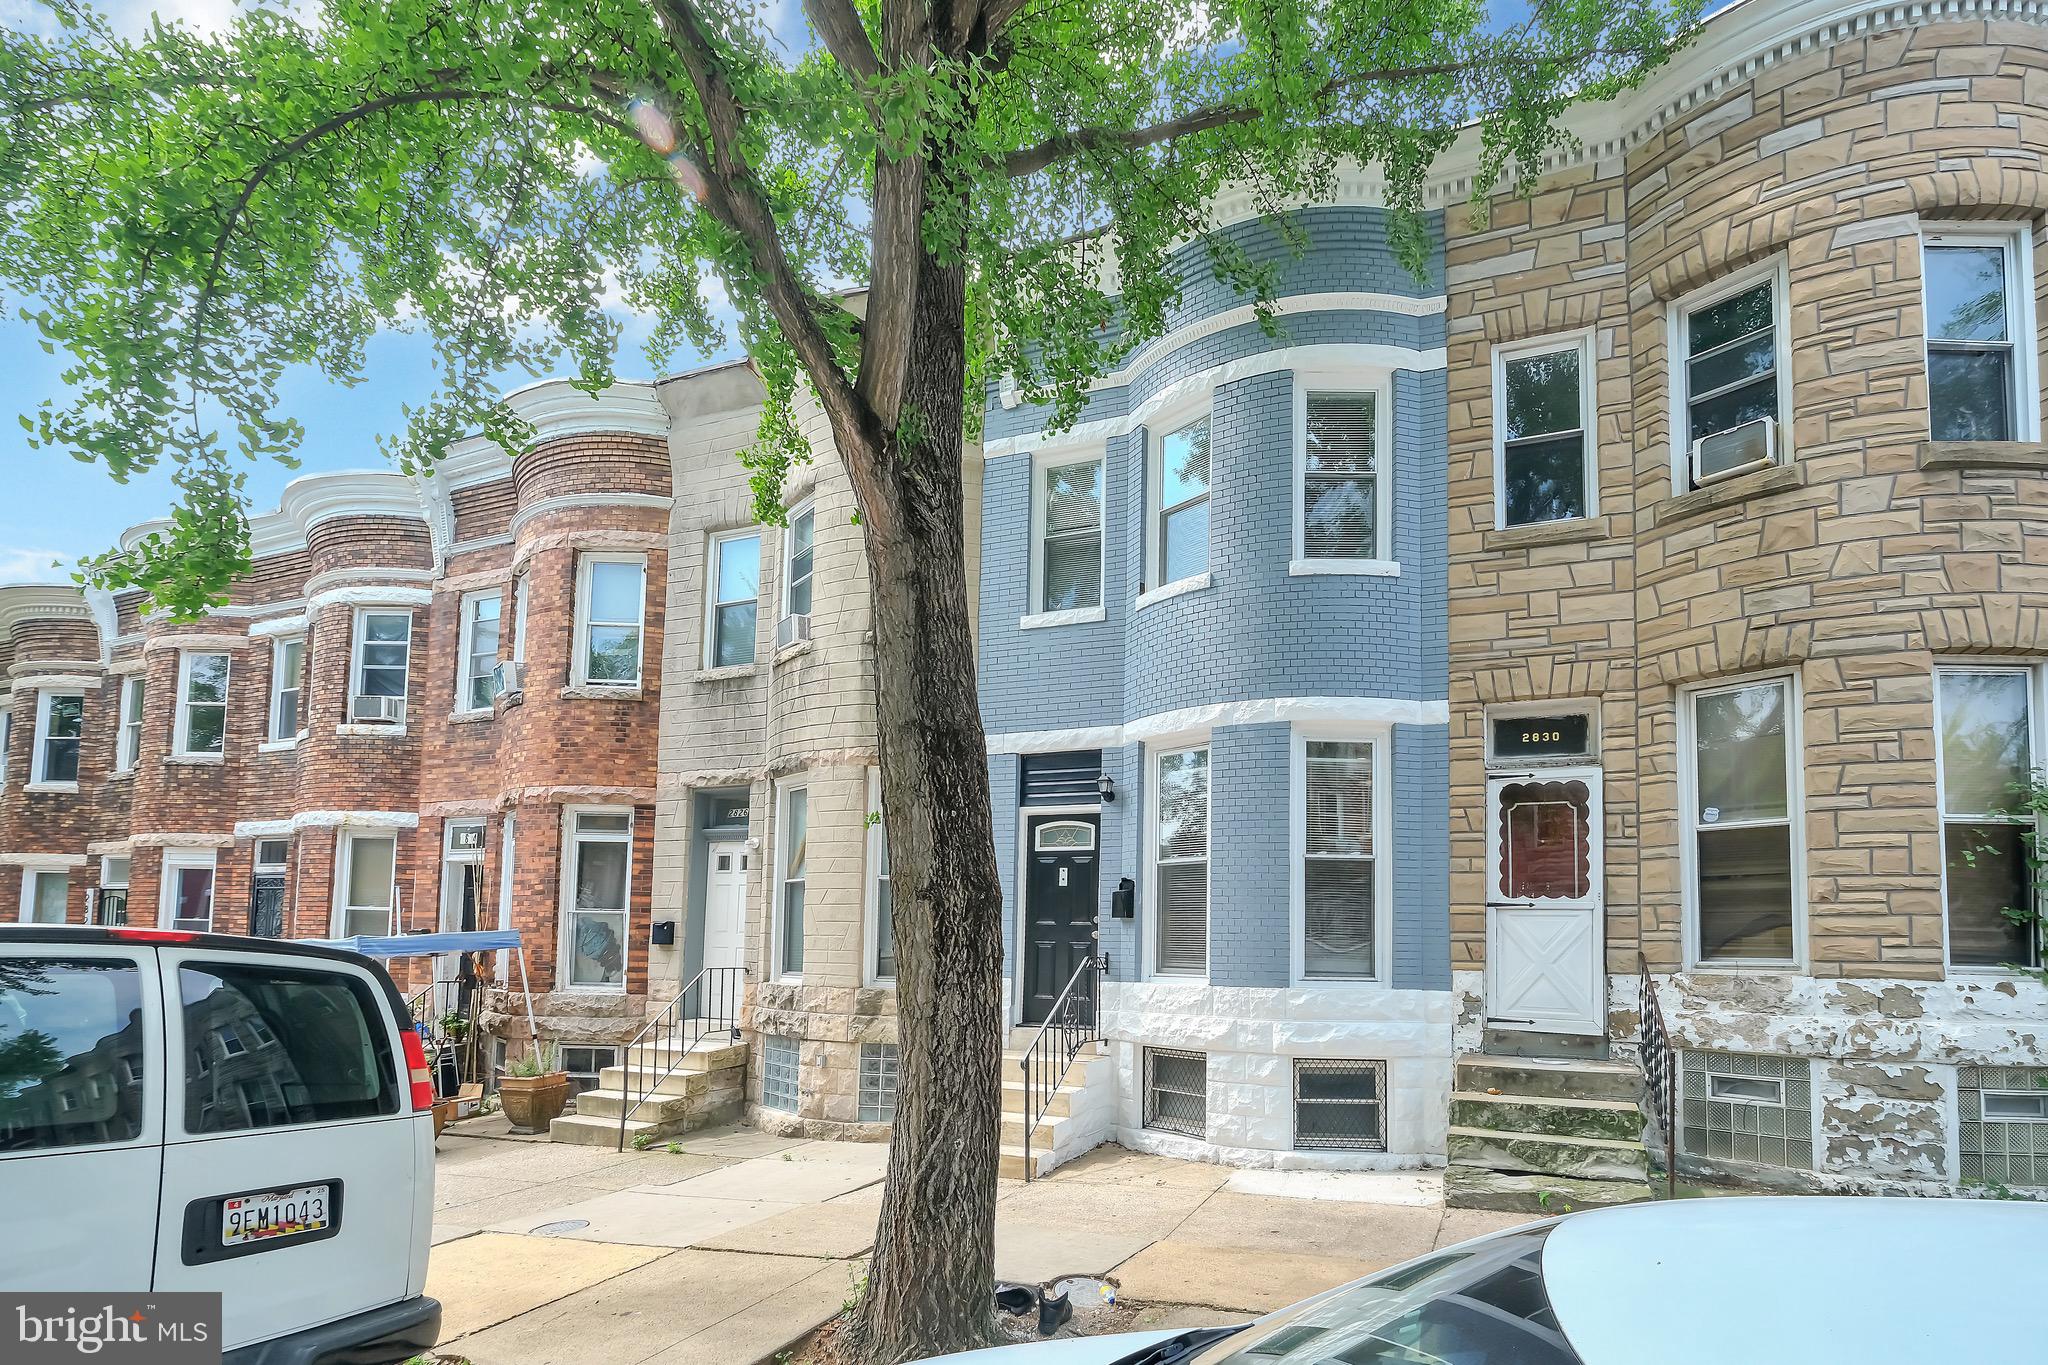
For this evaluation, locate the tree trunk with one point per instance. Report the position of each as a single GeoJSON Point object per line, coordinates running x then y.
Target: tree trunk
{"type": "Point", "coordinates": [931, 1280]}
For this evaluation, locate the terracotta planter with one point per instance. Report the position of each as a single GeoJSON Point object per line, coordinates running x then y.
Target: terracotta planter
{"type": "Point", "coordinates": [533, 1102]}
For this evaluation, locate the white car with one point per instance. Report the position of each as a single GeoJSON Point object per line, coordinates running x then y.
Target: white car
{"type": "Point", "coordinates": [194, 1112]}
{"type": "Point", "coordinates": [1740, 1281]}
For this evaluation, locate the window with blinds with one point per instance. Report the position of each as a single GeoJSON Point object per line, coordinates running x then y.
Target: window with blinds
{"type": "Point", "coordinates": [1340, 476]}
{"type": "Point", "coordinates": [1181, 861]}
{"type": "Point", "coordinates": [1070, 555]}
{"type": "Point", "coordinates": [1338, 866]}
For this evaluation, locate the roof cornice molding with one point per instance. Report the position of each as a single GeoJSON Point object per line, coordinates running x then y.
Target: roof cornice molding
{"type": "Point", "coordinates": [41, 602]}
{"type": "Point", "coordinates": [557, 408]}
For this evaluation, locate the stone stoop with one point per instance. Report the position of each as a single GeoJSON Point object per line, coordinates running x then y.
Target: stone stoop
{"type": "Point", "coordinates": [707, 1087]}
{"type": "Point", "coordinates": [1541, 1135]}
{"type": "Point", "coordinates": [1082, 1114]}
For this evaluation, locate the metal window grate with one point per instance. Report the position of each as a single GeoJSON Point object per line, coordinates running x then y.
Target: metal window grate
{"type": "Point", "coordinates": [2001, 1151]}
{"type": "Point", "coordinates": [1712, 1124]}
{"type": "Point", "coordinates": [1340, 1106]}
{"type": "Point", "coordinates": [778, 1073]}
{"type": "Point", "coordinates": [1177, 1091]}
{"type": "Point", "coordinates": [878, 1082]}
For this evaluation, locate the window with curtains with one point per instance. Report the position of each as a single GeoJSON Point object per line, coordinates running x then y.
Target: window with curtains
{"type": "Point", "coordinates": [1180, 866]}
{"type": "Point", "coordinates": [1741, 767]}
{"type": "Point", "coordinates": [1069, 568]}
{"type": "Point", "coordinates": [1980, 340]}
{"type": "Point", "coordinates": [369, 865]}
{"type": "Point", "coordinates": [1181, 544]}
{"type": "Point", "coordinates": [1542, 429]}
{"type": "Point", "coordinates": [381, 677]}
{"type": "Point", "coordinates": [1338, 873]}
{"type": "Point", "coordinates": [735, 600]}
{"type": "Point", "coordinates": [1988, 755]}
{"type": "Point", "coordinates": [45, 896]}
{"type": "Point", "coordinates": [792, 838]}
{"type": "Point", "coordinates": [1339, 498]}
{"type": "Point", "coordinates": [599, 893]}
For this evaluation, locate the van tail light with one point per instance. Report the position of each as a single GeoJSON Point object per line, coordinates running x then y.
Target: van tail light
{"type": "Point", "coordinates": [422, 1078]}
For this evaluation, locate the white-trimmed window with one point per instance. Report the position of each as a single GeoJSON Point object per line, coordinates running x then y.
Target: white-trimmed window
{"type": "Point", "coordinates": [287, 688]}
{"type": "Point", "coordinates": [1180, 529]}
{"type": "Point", "coordinates": [381, 665]}
{"type": "Point", "coordinates": [1180, 862]}
{"type": "Point", "coordinates": [6, 740]}
{"type": "Point", "coordinates": [733, 602]}
{"type": "Point", "coordinates": [45, 895]}
{"type": "Point", "coordinates": [611, 602]}
{"type": "Point", "coordinates": [1066, 535]}
{"type": "Point", "coordinates": [202, 720]}
{"type": "Point", "coordinates": [1987, 733]}
{"type": "Point", "coordinates": [128, 738]}
{"type": "Point", "coordinates": [186, 894]}
{"type": "Point", "coordinates": [1740, 759]}
{"type": "Point", "coordinates": [477, 687]}
{"type": "Point", "coordinates": [1339, 891]}
{"type": "Point", "coordinates": [597, 890]}
{"type": "Point", "coordinates": [1544, 466]}
{"type": "Point", "coordinates": [112, 902]}
{"type": "Point", "coordinates": [369, 881]}
{"type": "Point", "coordinates": [520, 592]}
{"type": "Point", "coordinates": [1343, 499]}
{"type": "Point", "coordinates": [792, 861]}
{"type": "Point", "coordinates": [60, 727]}
{"type": "Point", "coordinates": [799, 556]}
{"type": "Point", "coordinates": [881, 895]}
{"type": "Point", "coordinates": [1731, 376]}
{"type": "Point", "coordinates": [1977, 287]}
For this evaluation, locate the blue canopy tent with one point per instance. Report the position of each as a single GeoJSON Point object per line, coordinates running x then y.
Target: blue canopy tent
{"type": "Point", "coordinates": [436, 945]}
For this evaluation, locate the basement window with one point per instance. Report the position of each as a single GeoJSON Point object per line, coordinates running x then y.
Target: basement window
{"type": "Point", "coordinates": [778, 1073]}
{"type": "Point", "coordinates": [1177, 1091]}
{"type": "Point", "coordinates": [2002, 1129]}
{"type": "Point", "coordinates": [878, 1071]}
{"type": "Point", "coordinates": [584, 1063]}
{"type": "Point", "coordinates": [1741, 1107]}
{"type": "Point", "coordinates": [1340, 1106]}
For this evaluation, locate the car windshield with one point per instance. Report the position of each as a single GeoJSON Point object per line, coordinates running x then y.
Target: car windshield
{"type": "Point", "coordinates": [1480, 1304]}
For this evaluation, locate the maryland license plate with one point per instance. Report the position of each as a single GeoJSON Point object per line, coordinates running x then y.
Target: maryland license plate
{"type": "Point", "coordinates": [276, 1214]}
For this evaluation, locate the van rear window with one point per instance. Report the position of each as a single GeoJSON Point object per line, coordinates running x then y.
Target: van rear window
{"type": "Point", "coordinates": [270, 1046]}
{"type": "Point", "coordinates": [70, 1052]}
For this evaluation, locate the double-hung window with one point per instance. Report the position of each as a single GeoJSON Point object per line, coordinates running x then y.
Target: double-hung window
{"type": "Point", "coordinates": [1988, 754]}
{"type": "Point", "coordinates": [1543, 467]}
{"type": "Point", "coordinates": [792, 858]}
{"type": "Point", "coordinates": [1068, 512]}
{"type": "Point", "coordinates": [477, 688]}
{"type": "Point", "coordinates": [1741, 762]}
{"type": "Point", "coordinates": [128, 738]}
{"type": "Point", "coordinates": [611, 598]}
{"type": "Point", "coordinates": [1341, 493]}
{"type": "Point", "coordinates": [287, 688]}
{"type": "Point", "coordinates": [369, 871]}
{"type": "Point", "coordinates": [45, 895]}
{"type": "Point", "coordinates": [1180, 865]}
{"type": "Point", "coordinates": [600, 891]}
{"type": "Point", "coordinates": [202, 719]}
{"type": "Point", "coordinates": [799, 555]}
{"type": "Point", "coordinates": [1339, 871]}
{"type": "Point", "coordinates": [1977, 290]}
{"type": "Point", "coordinates": [383, 665]}
{"type": "Point", "coordinates": [1181, 546]}
{"type": "Point", "coordinates": [60, 724]}
{"type": "Point", "coordinates": [881, 895]}
{"type": "Point", "coordinates": [6, 741]}
{"type": "Point", "coordinates": [186, 898]}
{"type": "Point", "coordinates": [1731, 374]}
{"type": "Point", "coordinates": [735, 602]}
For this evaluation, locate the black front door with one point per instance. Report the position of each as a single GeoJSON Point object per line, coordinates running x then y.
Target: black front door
{"type": "Point", "coordinates": [266, 911]}
{"type": "Point", "coordinates": [1059, 906]}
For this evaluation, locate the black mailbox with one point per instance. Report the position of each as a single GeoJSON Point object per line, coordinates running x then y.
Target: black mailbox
{"type": "Point", "coordinates": [664, 933]}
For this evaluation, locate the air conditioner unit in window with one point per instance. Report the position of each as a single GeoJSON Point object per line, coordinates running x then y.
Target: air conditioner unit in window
{"type": "Point", "coordinates": [376, 709]}
{"type": "Point", "coordinates": [510, 674]}
{"type": "Point", "coordinates": [1739, 449]}
{"type": "Point", "coordinates": [791, 629]}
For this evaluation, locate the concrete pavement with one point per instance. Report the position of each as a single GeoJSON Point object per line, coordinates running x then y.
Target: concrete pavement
{"type": "Point", "coordinates": [738, 1245]}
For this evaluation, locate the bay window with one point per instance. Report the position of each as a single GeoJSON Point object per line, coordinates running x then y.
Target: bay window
{"type": "Point", "coordinates": [382, 666]}
{"type": "Point", "coordinates": [1341, 494]}
{"type": "Point", "coordinates": [60, 724]}
{"type": "Point", "coordinates": [287, 665]}
{"type": "Point", "coordinates": [45, 895]}
{"type": "Point", "coordinates": [1977, 286]}
{"type": "Point", "coordinates": [881, 903]}
{"type": "Point", "coordinates": [792, 858]}
{"type": "Point", "coordinates": [799, 555]}
{"type": "Point", "coordinates": [599, 890]}
{"type": "Point", "coordinates": [477, 687]}
{"type": "Point", "coordinates": [369, 872]}
{"type": "Point", "coordinates": [1730, 375]}
{"type": "Point", "coordinates": [611, 597]}
{"type": "Point", "coordinates": [1543, 449]}
{"type": "Point", "coordinates": [128, 739]}
{"type": "Point", "coordinates": [1339, 868]}
{"type": "Point", "coordinates": [735, 600]}
{"type": "Point", "coordinates": [1740, 766]}
{"type": "Point", "coordinates": [1988, 752]}
{"type": "Point", "coordinates": [1180, 862]}
{"type": "Point", "coordinates": [186, 897]}
{"type": "Point", "coordinates": [202, 719]}
{"type": "Point", "coordinates": [1067, 517]}
{"type": "Point", "coordinates": [1180, 546]}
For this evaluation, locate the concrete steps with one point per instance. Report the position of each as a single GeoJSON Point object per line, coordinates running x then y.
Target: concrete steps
{"type": "Point", "coordinates": [686, 1089]}
{"type": "Point", "coordinates": [1535, 1134]}
{"type": "Point", "coordinates": [1079, 1115]}
{"type": "Point", "coordinates": [1475, 1187]}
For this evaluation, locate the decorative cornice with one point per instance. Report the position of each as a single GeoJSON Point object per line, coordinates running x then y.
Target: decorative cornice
{"type": "Point", "coordinates": [195, 641]}
{"type": "Point", "coordinates": [28, 666]}
{"type": "Point", "coordinates": [557, 408]}
{"type": "Point", "coordinates": [58, 682]}
{"type": "Point", "coordinates": [40, 602]}
{"type": "Point", "coordinates": [335, 578]}
{"type": "Point", "coordinates": [1362, 711]}
{"type": "Point", "coordinates": [569, 501]}
{"type": "Point", "coordinates": [327, 819]}
{"type": "Point", "coordinates": [369, 595]}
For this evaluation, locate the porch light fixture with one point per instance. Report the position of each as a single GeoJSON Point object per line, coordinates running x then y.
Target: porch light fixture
{"type": "Point", "coordinates": [1105, 786]}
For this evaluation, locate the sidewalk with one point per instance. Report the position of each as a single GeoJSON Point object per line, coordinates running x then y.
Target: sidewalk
{"type": "Point", "coordinates": [734, 1248]}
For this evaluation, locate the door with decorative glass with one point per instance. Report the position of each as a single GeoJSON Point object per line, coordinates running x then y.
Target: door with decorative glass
{"type": "Point", "coordinates": [1544, 942]}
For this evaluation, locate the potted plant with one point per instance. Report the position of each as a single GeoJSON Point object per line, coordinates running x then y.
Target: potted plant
{"type": "Point", "coordinates": [534, 1089]}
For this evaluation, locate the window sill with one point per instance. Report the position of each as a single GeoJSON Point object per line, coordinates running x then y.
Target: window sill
{"type": "Point", "coordinates": [1569, 531]}
{"type": "Point", "coordinates": [1174, 589]}
{"type": "Point", "coordinates": [381, 729]}
{"type": "Point", "coordinates": [279, 746]}
{"type": "Point", "coordinates": [1355, 568]}
{"type": "Point", "coordinates": [1077, 616]}
{"type": "Point", "coordinates": [601, 692]}
{"type": "Point", "coordinates": [1768, 968]}
{"type": "Point", "coordinates": [794, 649]}
{"type": "Point", "coordinates": [478, 717]}
{"type": "Point", "coordinates": [50, 788]}
{"type": "Point", "coordinates": [121, 775]}
{"type": "Point", "coordinates": [727, 673]}
{"type": "Point", "coordinates": [1737, 490]}
{"type": "Point", "coordinates": [1986, 456]}
{"type": "Point", "coordinates": [194, 760]}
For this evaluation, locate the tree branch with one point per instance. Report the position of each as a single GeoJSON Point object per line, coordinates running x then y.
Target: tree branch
{"type": "Point", "coordinates": [845, 37]}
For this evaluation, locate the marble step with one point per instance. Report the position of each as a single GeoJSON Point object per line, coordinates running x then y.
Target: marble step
{"type": "Point", "coordinates": [1475, 1187]}
{"type": "Point", "coordinates": [1553, 1116]}
{"type": "Point", "coordinates": [1541, 1154]}
{"type": "Point", "coordinates": [1537, 1078]}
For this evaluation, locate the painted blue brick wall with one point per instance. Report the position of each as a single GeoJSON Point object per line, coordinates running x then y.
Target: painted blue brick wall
{"type": "Point", "coordinates": [1002, 799]}
{"type": "Point", "coordinates": [1250, 851]}
{"type": "Point", "coordinates": [1422, 857]}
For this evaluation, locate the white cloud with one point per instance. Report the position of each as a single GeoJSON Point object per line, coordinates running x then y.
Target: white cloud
{"type": "Point", "coordinates": [21, 564]}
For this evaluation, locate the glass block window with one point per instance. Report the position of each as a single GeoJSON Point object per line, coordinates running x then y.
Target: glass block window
{"type": "Point", "coordinates": [584, 1063]}
{"type": "Point", "coordinates": [1340, 1106]}
{"type": "Point", "coordinates": [878, 1082]}
{"type": "Point", "coordinates": [2004, 1123]}
{"type": "Point", "coordinates": [1177, 1091]}
{"type": "Point", "coordinates": [1734, 1106]}
{"type": "Point", "coordinates": [778, 1073]}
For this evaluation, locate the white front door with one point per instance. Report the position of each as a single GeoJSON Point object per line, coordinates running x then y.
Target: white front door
{"type": "Point", "coordinates": [725, 905]}
{"type": "Point", "coordinates": [1544, 940]}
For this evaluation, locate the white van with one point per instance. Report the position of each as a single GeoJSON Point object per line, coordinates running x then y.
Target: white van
{"type": "Point", "coordinates": [194, 1112]}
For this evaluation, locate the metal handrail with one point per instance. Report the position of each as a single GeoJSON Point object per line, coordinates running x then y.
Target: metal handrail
{"type": "Point", "coordinates": [1660, 1064]}
{"type": "Point", "coordinates": [718, 990]}
{"type": "Point", "coordinates": [1072, 1024]}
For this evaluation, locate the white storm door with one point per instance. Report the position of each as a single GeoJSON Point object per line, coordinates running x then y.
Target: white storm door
{"type": "Point", "coordinates": [725, 906]}
{"type": "Point", "coordinates": [1544, 937]}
